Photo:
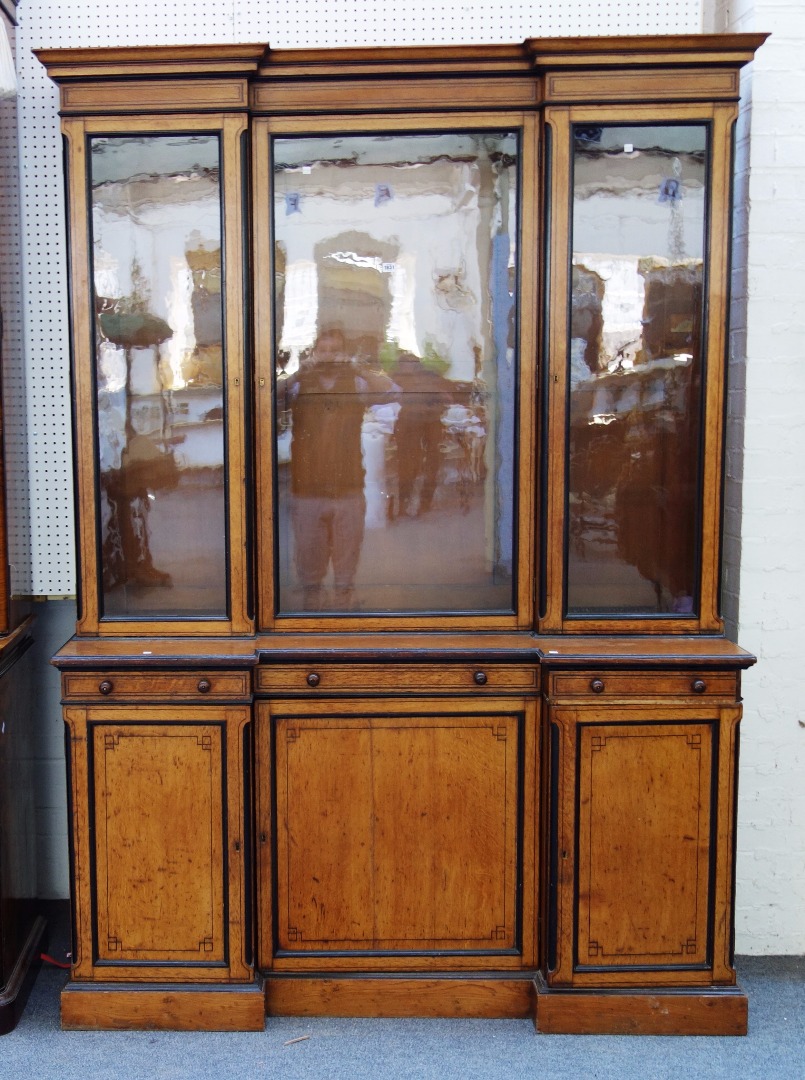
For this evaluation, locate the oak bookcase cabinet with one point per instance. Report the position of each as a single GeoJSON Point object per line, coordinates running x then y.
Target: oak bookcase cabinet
{"type": "Point", "coordinates": [400, 684]}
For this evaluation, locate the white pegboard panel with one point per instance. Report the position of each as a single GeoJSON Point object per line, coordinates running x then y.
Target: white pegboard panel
{"type": "Point", "coordinates": [300, 23]}
{"type": "Point", "coordinates": [14, 418]}
{"type": "Point", "coordinates": [43, 544]}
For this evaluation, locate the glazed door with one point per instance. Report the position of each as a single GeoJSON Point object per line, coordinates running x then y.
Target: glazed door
{"type": "Point", "coordinates": [158, 339]}
{"type": "Point", "coordinates": [396, 447]}
{"type": "Point", "coordinates": [636, 313]}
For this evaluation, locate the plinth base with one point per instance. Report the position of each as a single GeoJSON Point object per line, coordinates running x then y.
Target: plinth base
{"type": "Point", "coordinates": [163, 1007]}
{"type": "Point", "coordinates": [714, 1011]}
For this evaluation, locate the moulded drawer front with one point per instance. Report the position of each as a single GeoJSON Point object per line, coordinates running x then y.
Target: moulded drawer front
{"type": "Point", "coordinates": [609, 685]}
{"type": "Point", "coordinates": [409, 677]}
{"type": "Point", "coordinates": [155, 686]}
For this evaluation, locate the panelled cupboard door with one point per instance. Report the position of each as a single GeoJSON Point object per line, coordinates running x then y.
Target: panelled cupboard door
{"type": "Point", "coordinates": [641, 846]}
{"type": "Point", "coordinates": [160, 811]}
{"type": "Point", "coordinates": [404, 834]}
{"type": "Point", "coordinates": [158, 337]}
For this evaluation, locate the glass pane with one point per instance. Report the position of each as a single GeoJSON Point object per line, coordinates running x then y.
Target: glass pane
{"type": "Point", "coordinates": [156, 261]}
{"type": "Point", "coordinates": [639, 206]}
{"type": "Point", "coordinates": [396, 372]}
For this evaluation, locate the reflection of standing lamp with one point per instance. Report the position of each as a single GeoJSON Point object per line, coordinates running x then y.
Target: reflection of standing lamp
{"type": "Point", "coordinates": [136, 330]}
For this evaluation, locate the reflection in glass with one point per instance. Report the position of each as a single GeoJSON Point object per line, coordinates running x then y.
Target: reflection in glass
{"type": "Point", "coordinates": [156, 262]}
{"type": "Point", "coordinates": [396, 373]}
{"type": "Point", "coordinates": [635, 369]}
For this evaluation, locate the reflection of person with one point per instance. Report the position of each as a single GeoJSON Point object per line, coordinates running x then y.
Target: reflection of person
{"type": "Point", "coordinates": [418, 432]}
{"type": "Point", "coordinates": [327, 399]}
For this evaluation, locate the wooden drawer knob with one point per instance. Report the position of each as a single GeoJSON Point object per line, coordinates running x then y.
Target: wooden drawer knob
{"type": "Point", "coordinates": [204, 686]}
{"type": "Point", "coordinates": [105, 687]}
{"type": "Point", "coordinates": [480, 678]}
{"type": "Point", "coordinates": [699, 686]}
{"type": "Point", "coordinates": [597, 686]}
{"type": "Point", "coordinates": [313, 679]}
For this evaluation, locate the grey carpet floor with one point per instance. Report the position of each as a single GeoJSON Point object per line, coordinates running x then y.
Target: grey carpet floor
{"type": "Point", "coordinates": [414, 1049]}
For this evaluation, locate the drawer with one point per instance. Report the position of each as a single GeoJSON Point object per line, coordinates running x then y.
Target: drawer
{"type": "Point", "coordinates": [137, 686]}
{"type": "Point", "coordinates": [629, 685]}
{"type": "Point", "coordinates": [392, 678]}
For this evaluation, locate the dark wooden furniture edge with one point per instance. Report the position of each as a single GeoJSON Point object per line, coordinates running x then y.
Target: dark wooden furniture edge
{"type": "Point", "coordinates": [13, 645]}
{"type": "Point", "coordinates": [15, 993]}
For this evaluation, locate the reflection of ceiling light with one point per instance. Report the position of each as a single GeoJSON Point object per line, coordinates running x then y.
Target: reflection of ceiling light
{"type": "Point", "coordinates": [602, 419]}
{"type": "Point", "coordinates": [683, 357]}
{"type": "Point", "coordinates": [371, 262]}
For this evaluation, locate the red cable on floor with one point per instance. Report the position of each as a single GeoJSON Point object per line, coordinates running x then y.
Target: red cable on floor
{"type": "Point", "coordinates": [56, 963]}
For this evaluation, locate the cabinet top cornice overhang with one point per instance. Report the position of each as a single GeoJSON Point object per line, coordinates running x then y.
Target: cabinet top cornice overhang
{"type": "Point", "coordinates": [258, 65]}
{"type": "Point", "coordinates": [258, 59]}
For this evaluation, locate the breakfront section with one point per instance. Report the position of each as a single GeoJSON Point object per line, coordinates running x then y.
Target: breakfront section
{"type": "Point", "coordinates": [159, 752]}
{"type": "Point", "coordinates": [396, 450]}
{"type": "Point", "coordinates": [400, 684]}
{"type": "Point", "coordinates": [418, 791]}
{"type": "Point", "coordinates": [158, 337]}
{"type": "Point", "coordinates": [636, 317]}
{"type": "Point", "coordinates": [640, 766]}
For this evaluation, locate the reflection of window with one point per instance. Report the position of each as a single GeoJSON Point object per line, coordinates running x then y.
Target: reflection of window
{"type": "Point", "coordinates": [300, 310]}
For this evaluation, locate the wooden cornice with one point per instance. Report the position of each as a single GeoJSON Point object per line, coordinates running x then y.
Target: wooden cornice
{"type": "Point", "coordinates": [137, 61]}
{"type": "Point", "coordinates": [205, 78]}
{"type": "Point", "coordinates": [423, 61]}
{"type": "Point", "coordinates": [667, 50]}
{"type": "Point", "coordinates": [261, 61]}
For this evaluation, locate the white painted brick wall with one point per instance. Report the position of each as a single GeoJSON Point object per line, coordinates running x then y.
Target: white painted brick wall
{"type": "Point", "coordinates": [765, 519]}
